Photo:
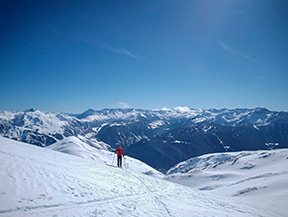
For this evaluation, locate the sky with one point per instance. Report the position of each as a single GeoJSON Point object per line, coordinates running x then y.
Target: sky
{"type": "Point", "coordinates": [68, 56]}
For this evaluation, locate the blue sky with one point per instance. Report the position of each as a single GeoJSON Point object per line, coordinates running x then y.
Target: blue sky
{"type": "Point", "coordinates": [68, 56]}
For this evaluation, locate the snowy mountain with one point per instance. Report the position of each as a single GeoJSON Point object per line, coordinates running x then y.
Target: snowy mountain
{"type": "Point", "coordinates": [160, 138]}
{"type": "Point", "coordinates": [74, 146]}
{"type": "Point", "coordinates": [44, 128]}
{"type": "Point", "coordinates": [38, 127]}
{"type": "Point", "coordinates": [42, 182]}
{"type": "Point", "coordinates": [259, 176]}
{"type": "Point", "coordinates": [200, 132]}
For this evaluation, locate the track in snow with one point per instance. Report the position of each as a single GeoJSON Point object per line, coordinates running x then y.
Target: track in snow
{"type": "Point", "coordinates": [42, 183]}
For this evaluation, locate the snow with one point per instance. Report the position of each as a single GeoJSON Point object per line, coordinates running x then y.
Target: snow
{"type": "Point", "coordinates": [44, 122]}
{"type": "Point", "coordinates": [38, 121]}
{"type": "Point", "coordinates": [97, 129]}
{"type": "Point", "coordinates": [93, 142]}
{"type": "Point", "coordinates": [272, 145]}
{"type": "Point", "coordinates": [182, 109]}
{"type": "Point", "coordinates": [117, 124]}
{"type": "Point", "coordinates": [116, 115]}
{"type": "Point", "coordinates": [257, 177]}
{"type": "Point", "coordinates": [207, 128]}
{"type": "Point", "coordinates": [42, 182]}
{"type": "Point", "coordinates": [74, 146]}
{"type": "Point", "coordinates": [164, 109]}
{"type": "Point", "coordinates": [220, 141]}
{"type": "Point", "coordinates": [156, 124]}
{"type": "Point", "coordinates": [7, 115]}
{"type": "Point", "coordinates": [43, 128]}
{"type": "Point", "coordinates": [257, 117]}
{"type": "Point", "coordinates": [255, 127]}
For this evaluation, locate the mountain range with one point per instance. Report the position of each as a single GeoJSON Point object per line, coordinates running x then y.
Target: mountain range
{"type": "Point", "coordinates": [160, 138]}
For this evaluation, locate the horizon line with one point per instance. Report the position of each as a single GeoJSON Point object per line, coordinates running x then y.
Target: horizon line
{"type": "Point", "coordinates": [145, 109]}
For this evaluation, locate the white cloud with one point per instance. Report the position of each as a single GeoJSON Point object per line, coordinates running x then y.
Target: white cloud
{"type": "Point", "coordinates": [239, 53]}
{"type": "Point", "coordinates": [121, 51]}
{"type": "Point", "coordinates": [107, 46]}
{"type": "Point", "coordinates": [225, 46]}
{"type": "Point", "coordinates": [122, 105]}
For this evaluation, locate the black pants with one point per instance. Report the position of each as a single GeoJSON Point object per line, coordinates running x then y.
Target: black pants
{"type": "Point", "coordinates": [119, 161]}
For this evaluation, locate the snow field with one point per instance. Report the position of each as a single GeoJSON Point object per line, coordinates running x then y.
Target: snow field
{"type": "Point", "coordinates": [74, 146]}
{"type": "Point", "coordinates": [255, 177]}
{"type": "Point", "coordinates": [41, 182]}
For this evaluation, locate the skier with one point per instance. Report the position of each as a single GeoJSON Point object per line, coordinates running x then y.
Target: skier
{"type": "Point", "coordinates": [120, 152]}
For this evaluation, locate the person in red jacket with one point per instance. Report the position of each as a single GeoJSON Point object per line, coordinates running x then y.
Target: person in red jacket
{"type": "Point", "coordinates": [120, 153]}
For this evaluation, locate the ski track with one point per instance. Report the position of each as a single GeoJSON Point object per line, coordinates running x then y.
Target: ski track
{"type": "Point", "coordinates": [37, 210]}
{"type": "Point", "coordinates": [45, 183]}
{"type": "Point", "coordinates": [151, 193]}
{"type": "Point", "coordinates": [24, 172]}
{"type": "Point", "coordinates": [114, 202]}
{"type": "Point", "coordinates": [54, 207]}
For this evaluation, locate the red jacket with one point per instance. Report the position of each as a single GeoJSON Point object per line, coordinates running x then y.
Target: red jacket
{"type": "Point", "coordinates": [119, 151]}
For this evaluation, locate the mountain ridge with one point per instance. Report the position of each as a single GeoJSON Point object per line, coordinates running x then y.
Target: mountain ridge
{"type": "Point", "coordinates": [160, 138]}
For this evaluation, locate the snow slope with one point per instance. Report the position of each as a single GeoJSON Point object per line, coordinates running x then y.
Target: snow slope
{"type": "Point", "coordinates": [36, 120]}
{"type": "Point", "coordinates": [42, 182]}
{"type": "Point", "coordinates": [257, 176]}
{"type": "Point", "coordinates": [74, 146]}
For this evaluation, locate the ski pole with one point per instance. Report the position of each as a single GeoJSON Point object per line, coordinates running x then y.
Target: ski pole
{"type": "Point", "coordinates": [113, 159]}
{"type": "Point", "coordinates": [125, 163]}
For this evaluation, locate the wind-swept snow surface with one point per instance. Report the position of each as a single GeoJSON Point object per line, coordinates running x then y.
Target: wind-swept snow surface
{"type": "Point", "coordinates": [74, 146]}
{"type": "Point", "coordinates": [41, 182]}
{"type": "Point", "coordinates": [257, 176]}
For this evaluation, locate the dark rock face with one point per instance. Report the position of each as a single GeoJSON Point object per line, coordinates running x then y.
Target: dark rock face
{"type": "Point", "coordinates": [191, 141]}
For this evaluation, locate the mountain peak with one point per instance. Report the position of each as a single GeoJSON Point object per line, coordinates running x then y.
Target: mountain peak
{"type": "Point", "coordinates": [89, 110]}
{"type": "Point", "coordinates": [87, 113]}
{"type": "Point", "coordinates": [31, 110]}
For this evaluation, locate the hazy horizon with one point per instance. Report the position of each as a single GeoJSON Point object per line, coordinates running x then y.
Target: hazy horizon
{"type": "Point", "coordinates": [131, 108]}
